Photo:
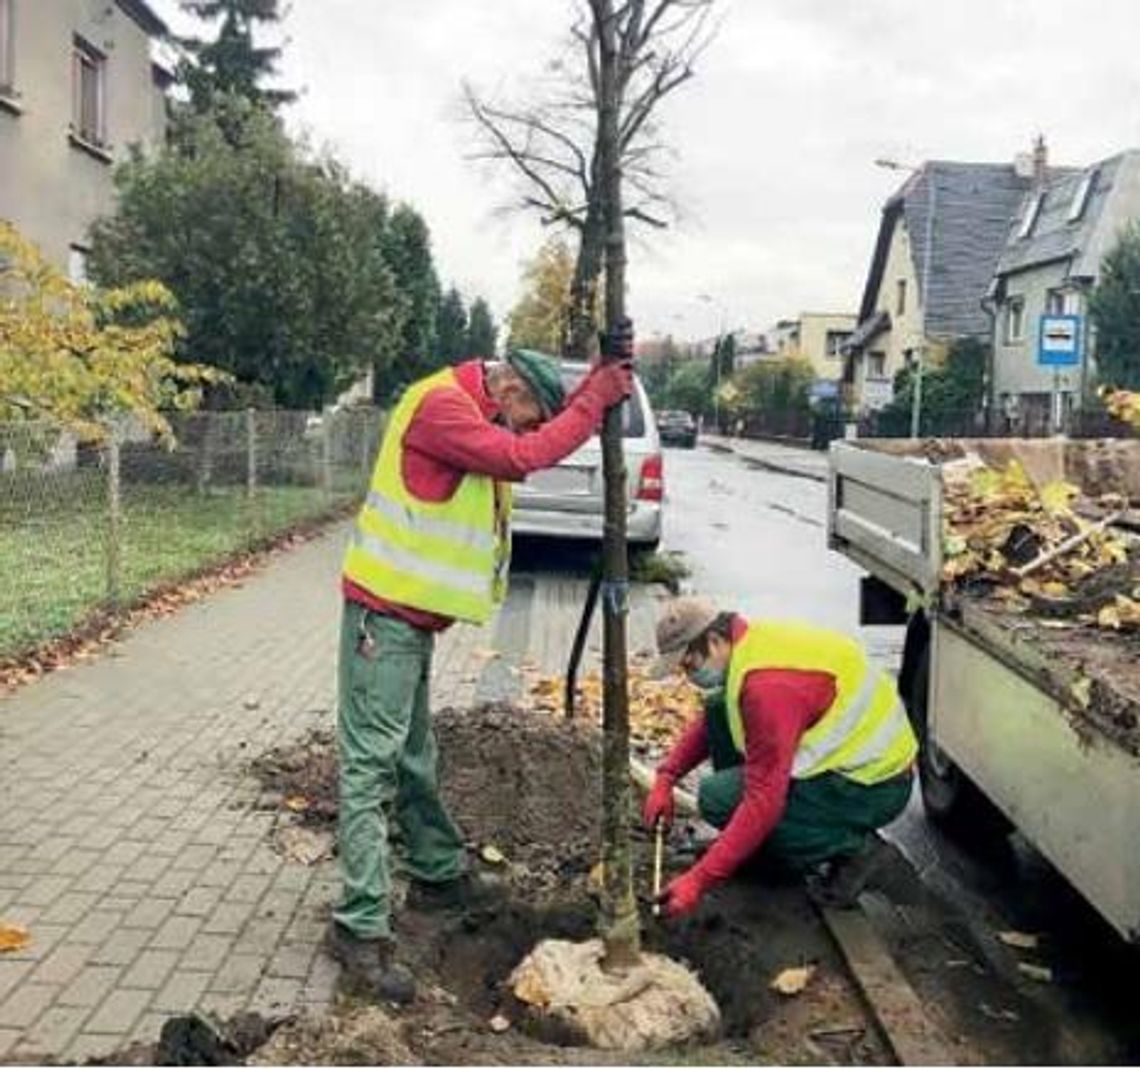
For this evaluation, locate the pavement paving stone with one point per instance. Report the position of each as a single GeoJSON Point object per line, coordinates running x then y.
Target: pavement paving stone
{"type": "Point", "coordinates": [96, 926]}
{"type": "Point", "coordinates": [229, 918]}
{"type": "Point", "coordinates": [182, 991]}
{"type": "Point", "coordinates": [70, 907]}
{"type": "Point", "coordinates": [150, 912]}
{"type": "Point", "coordinates": [9, 1037]}
{"type": "Point", "coordinates": [206, 952]}
{"type": "Point", "coordinates": [99, 877]}
{"type": "Point", "coordinates": [13, 973]}
{"type": "Point", "coordinates": [63, 964]}
{"type": "Point", "coordinates": [147, 868]}
{"type": "Point", "coordinates": [23, 1005]}
{"type": "Point", "coordinates": [119, 1011]}
{"type": "Point", "coordinates": [177, 933]}
{"type": "Point", "coordinates": [199, 901]}
{"type": "Point", "coordinates": [90, 986]}
{"type": "Point", "coordinates": [174, 883]}
{"type": "Point", "coordinates": [44, 890]}
{"type": "Point", "coordinates": [44, 937]}
{"type": "Point", "coordinates": [75, 862]}
{"type": "Point", "coordinates": [122, 946]}
{"type": "Point", "coordinates": [293, 960]}
{"type": "Point", "coordinates": [88, 1045]}
{"type": "Point", "coordinates": [151, 969]}
{"type": "Point", "coordinates": [239, 974]}
{"type": "Point", "coordinates": [250, 887]}
{"type": "Point", "coordinates": [52, 1032]}
{"type": "Point", "coordinates": [275, 996]}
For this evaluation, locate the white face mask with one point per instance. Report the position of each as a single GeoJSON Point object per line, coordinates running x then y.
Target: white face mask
{"type": "Point", "coordinates": [707, 677]}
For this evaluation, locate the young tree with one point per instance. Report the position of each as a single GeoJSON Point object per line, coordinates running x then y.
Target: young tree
{"type": "Point", "coordinates": [451, 328]}
{"type": "Point", "coordinates": [231, 64]}
{"type": "Point", "coordinates": [276, 259]}
{"type": "Point", "coordinates": [1114, 307]}
{"type": "Point", "coordinates": [482, 334]}
{"type": "Point", "coordinates": [79, 357]}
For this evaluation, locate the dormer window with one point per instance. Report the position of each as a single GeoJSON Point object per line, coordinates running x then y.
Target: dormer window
{"type": "Point", "coordinates": [1081, 196]}
{"type": "Point", "coordinates": [7, 48]}
{"type": "Point", "coordinates": [1032, 211]}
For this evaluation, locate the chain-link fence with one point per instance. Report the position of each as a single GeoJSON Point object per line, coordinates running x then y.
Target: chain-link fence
{"type": "Point", "coordinates": [90, 527]}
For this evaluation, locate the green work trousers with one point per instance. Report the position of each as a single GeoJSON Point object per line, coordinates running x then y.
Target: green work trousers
{"type": "Point", "coordinates": [387, 768]}
{"type": "Point", "coordinates": [827, 816]}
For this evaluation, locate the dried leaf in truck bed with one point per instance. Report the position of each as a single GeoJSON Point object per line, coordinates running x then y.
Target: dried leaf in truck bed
{"type": "Point", "coordinates": [1059, 496]}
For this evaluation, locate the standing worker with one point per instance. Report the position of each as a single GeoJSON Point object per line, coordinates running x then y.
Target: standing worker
{"type": "Point", "coordinates": [811, 750]}
{"type": "Point", "coordinates": [431, 546]}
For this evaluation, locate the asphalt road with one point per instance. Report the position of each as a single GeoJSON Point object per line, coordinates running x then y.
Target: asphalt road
{"type": "Point", "coordinates": [756, 541]}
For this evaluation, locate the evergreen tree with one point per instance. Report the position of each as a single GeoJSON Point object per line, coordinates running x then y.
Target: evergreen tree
{"type": "Point", "coordinates": [1115, 310]}
{"type": "Point", "coordinates": [231, 64]}
{"type": "Point", "coordinates": [482, 334]}
{"type": "Point", "coordinates": [451, 328]}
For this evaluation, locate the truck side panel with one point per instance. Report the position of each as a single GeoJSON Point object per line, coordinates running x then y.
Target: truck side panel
{"type": "Point", "coordinates": [1076, 796]}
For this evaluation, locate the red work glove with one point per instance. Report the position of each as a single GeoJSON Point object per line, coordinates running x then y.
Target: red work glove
{"type": "Point", "coordinates": [684, 894]}
{"type": "Point", "coordinates": [659, 804]}
{"type": "Point", "coordinates": [611, 383]}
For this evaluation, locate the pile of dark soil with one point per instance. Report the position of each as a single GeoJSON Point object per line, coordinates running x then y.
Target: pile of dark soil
{"type": "Point", "coordinates": [529, 786]}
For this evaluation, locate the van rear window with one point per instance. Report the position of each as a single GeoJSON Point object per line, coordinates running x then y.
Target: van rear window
{"type": "Point", "coordinates": [632, 415]}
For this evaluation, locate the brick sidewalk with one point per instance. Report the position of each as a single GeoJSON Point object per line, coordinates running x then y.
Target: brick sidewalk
{"type": "Point", "coordinates": [129, 842]}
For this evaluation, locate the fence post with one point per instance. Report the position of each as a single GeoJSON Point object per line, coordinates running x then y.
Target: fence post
{"type": "Point", "coordinates": [114, 521]}
{"type": "Point", "coordinates": [326, 456]}
{"type": "Point", "coordinates": [250, 453]}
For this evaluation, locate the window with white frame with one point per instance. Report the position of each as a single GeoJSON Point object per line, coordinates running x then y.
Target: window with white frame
{"type": "Point", "coordinates": [1032, 211]}
{"type": "Point", "coordinates": [876, 365]}
{"type": "Point", "coordinates": [1055, 303]}
{"type": "Point", "coordinates": [7, 46]}
{"type": "Point", "coordinates": [1015, 320]}
{"type": "Point", "coordinates": [77, 264]}
{"type": "Point", "coordinates": [89, 93]}
{"type": "Point", "coordinates": [836, 339]}
{"type": "Point", "coordinates": [1081, 196]}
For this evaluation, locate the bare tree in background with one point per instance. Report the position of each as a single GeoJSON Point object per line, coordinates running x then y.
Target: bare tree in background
{"type": "Point", "coordinates": [552, 142]}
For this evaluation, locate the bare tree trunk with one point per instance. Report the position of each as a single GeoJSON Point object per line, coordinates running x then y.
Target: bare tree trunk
{"type": "Point", "coordinates": [619, 920]}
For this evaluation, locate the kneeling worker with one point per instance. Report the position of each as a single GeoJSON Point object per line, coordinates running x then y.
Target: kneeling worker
{"type": "Point", "coordinates": [810, 747]}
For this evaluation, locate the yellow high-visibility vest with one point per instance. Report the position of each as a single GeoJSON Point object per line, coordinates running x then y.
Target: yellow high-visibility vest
{"type": "Point", "coordinates": [448, 557]}
{"type": "Point", "coordinates": [864, 735]}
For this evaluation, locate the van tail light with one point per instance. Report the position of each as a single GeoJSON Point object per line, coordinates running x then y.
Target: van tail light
{"type": "Point", "coordinates": [651, 483]}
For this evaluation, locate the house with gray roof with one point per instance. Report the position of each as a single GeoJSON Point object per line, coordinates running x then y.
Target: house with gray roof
{"type": "Point", "coordinates": [1063, 229]}
{"type": "Point", "coordinates": [965, 209]}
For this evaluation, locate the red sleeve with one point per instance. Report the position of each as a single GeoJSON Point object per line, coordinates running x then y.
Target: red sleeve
{"type": "Point", "coordinates": [448, 427]}
{"type": "Point", "coordinates": [688, 751]}
{"type": "Point", "coordinates": [778, 707]}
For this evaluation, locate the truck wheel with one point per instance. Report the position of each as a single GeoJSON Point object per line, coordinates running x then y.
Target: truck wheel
{"type": "Point", "coordinates": [951, 801]}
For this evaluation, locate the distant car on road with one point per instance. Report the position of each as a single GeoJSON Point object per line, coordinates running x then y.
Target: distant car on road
{"type": "Point", "coordinates": [567, 501]}
{"type": "Point", "coordinates": [677, 428]}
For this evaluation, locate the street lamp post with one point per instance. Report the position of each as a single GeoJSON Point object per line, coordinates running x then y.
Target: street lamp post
{"type": "Point", "coordinates": [931, 200]}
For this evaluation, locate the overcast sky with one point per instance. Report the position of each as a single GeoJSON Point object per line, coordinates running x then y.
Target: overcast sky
{"type": "Point", "coordinates": [775, 137]}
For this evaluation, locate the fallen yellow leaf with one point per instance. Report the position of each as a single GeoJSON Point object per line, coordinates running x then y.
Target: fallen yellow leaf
{"type": "Point", "coordinates": [13, 937]}
{"type": "Point", "coordinates": [793, 981]}
{"type": "Point", "coordinates": [298, 803]}
{"type": "Point", "coordinates": [529, 989]}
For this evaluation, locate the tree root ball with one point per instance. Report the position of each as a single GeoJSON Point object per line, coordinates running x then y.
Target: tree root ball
{"type": "Point", "coordinates": [656, 1003]}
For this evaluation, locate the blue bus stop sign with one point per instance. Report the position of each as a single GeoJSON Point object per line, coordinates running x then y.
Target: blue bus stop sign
{"type": "Point", "coordinates": [1059, 341]}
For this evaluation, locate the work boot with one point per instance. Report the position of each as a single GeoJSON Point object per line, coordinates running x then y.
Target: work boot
{"type": "Point", "coordinates": [845, 878]}
{"type": "Point", "coordinates": [469, 890]}
{"type": "Point", "coordinates": [369, 966]}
